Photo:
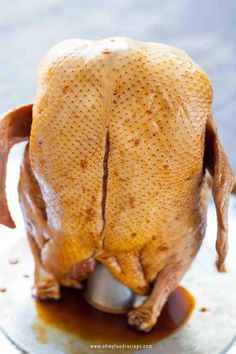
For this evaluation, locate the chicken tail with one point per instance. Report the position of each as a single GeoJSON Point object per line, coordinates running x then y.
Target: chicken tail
{"type": "Point", "coordinates": [222, 174]}
{"type": "Point", "coordinates": [15, 127]}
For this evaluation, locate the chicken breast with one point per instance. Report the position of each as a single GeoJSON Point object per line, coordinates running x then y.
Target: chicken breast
{"type": "Point", "coordinates": [121, 136]}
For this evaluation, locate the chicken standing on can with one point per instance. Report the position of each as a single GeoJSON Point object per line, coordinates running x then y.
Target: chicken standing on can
{"type": "Point", "coordinates": [121, 136]}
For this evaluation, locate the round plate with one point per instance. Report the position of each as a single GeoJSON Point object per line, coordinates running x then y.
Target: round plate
{"type": "Point", "coordinates": [212, 331]}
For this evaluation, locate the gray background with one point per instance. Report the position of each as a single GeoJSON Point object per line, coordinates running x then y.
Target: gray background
{"type": "Point", "coordinates": [205, 29]}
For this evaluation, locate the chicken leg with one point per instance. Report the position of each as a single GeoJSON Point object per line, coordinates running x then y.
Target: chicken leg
{"type": "Point", "coordinates": [33, 207]}
{"type": "Point", "coordinates": [145, 316]}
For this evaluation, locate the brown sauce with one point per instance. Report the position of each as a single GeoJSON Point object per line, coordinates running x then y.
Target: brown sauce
{"type": "Point", "coordinates": [74, 315]}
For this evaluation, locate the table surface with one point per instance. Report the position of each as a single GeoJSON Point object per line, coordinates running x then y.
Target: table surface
{"type": "Point", "coordinates": [205, 29]}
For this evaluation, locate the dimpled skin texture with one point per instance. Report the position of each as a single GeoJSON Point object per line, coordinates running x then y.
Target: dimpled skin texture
{"type": "Point", "coordinates": [116, 146]}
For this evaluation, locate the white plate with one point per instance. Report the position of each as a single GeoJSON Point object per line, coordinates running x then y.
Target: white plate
{"type": "Point", "coordinates": [206, 332]}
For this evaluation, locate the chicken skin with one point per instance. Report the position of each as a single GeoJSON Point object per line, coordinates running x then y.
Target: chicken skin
{"type": "Point", "coordinates": [114, 172]}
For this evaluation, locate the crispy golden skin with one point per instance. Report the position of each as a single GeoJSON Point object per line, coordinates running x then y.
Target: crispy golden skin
{"type": "Point", "coordinates": [121, 136]}
{"type": "Point", "coordinates": [150, 103]}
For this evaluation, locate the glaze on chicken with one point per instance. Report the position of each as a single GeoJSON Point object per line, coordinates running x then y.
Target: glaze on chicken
{"type": "Point", "coordinates": [121, 137]}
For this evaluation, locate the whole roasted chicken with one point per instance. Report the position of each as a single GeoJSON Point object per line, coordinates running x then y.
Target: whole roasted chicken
{"type": "Point", "coordinates": [121, 137]}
